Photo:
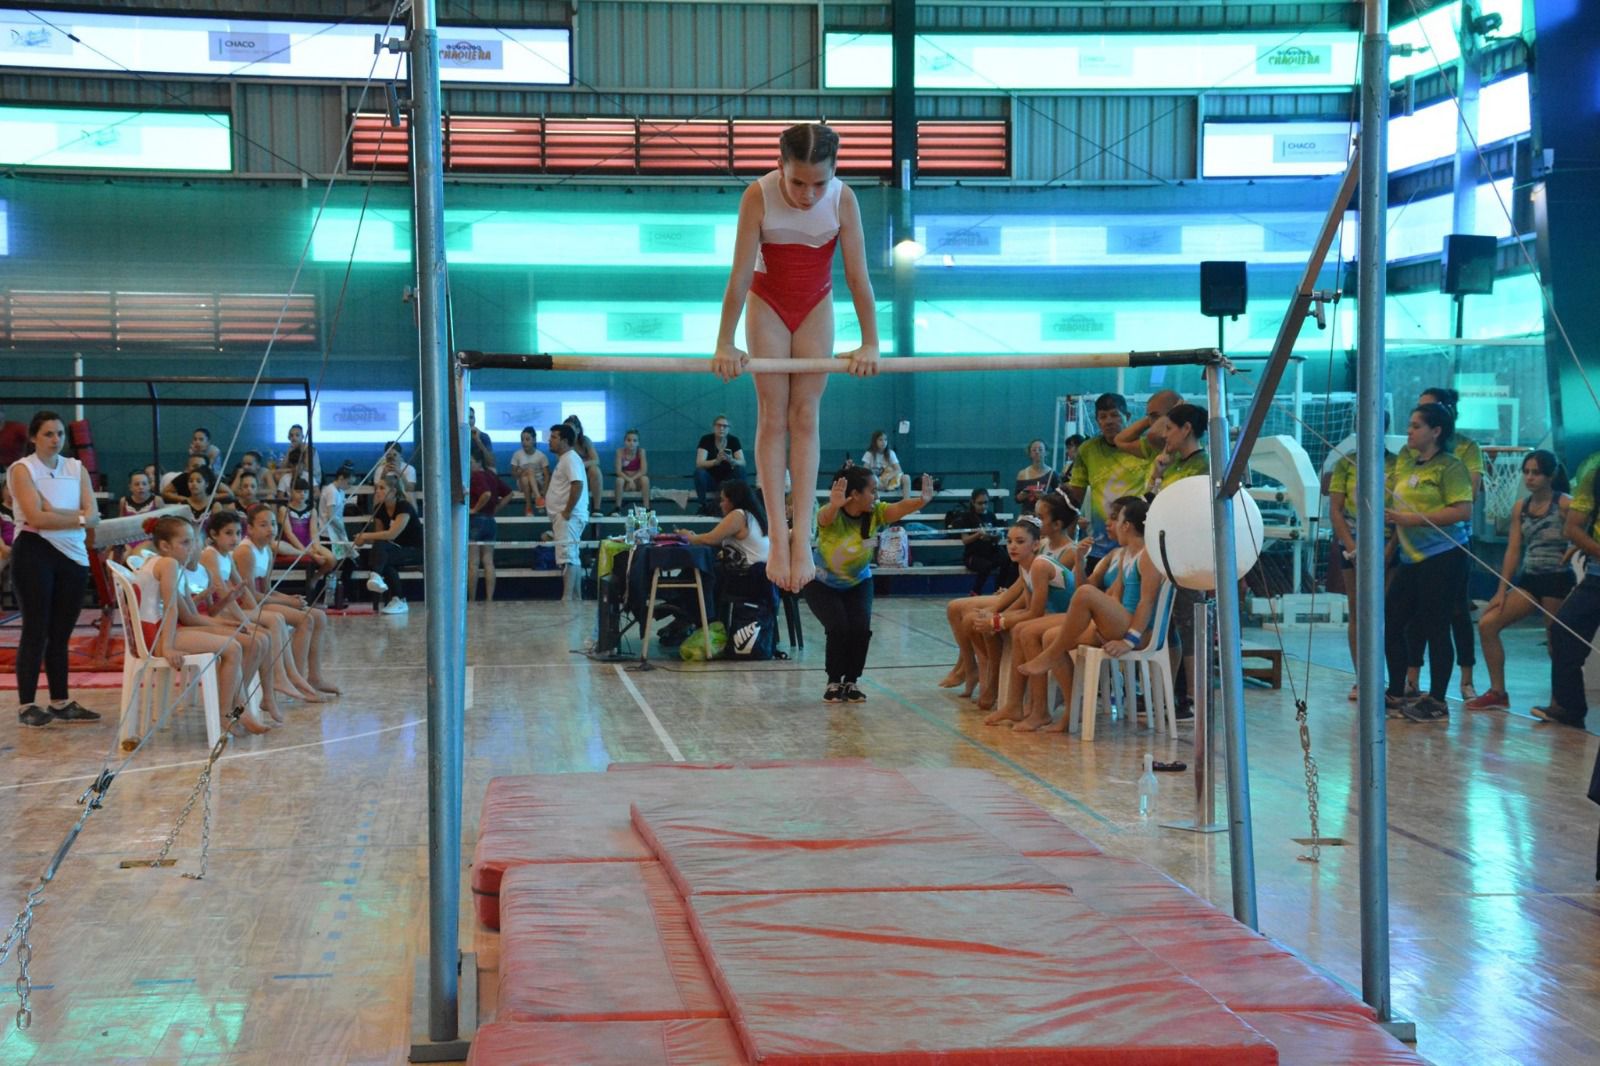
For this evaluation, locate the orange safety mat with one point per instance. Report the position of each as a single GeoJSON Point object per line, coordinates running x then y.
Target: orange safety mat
{"type": "Point", "coordinates": [1310, 1038]}
{"type": "Point", "coordinates": [599, 942]}
{"type": "Point", "coordinates": [695, 1043]}
{"type": "Point", "coordinates": [955, 978]}
{"type": "Point", "coordinates": [994, 805]}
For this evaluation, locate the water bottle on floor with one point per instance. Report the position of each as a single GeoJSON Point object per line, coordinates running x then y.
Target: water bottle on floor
{"type": "Point", "coordinates": [1148, 787]}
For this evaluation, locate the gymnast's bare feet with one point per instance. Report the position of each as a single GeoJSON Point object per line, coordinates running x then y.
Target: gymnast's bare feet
{"type": "Point", "coordinates": [1037, 666]}
{"type": "Point", "coordinates": [1004, 715]}
{"type": "Point", "coordinates": [324, 687]}
{"type": "Point", "coordinates": [802, 568]}
{"type": "Point", "coordinates": [956, 676]}
{"type": "Point", "coordinates": [1057, 726]}
{"type": "Point", "coordinates": [1033, 723]}
{"type": "Point", "coordinates": [778, 563]}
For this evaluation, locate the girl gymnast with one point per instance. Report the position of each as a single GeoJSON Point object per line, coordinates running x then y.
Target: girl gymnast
{"type": "Point", "coordinates": [1023, 601]}
{"type": "Point", "coordinates": [299, 539]}
{"type": "Point", "coordinates": [790, 221]}
{"type": "Point", "coordinates": [1060, 566]}
{"type": "Point", "coordinates": [173, 627]}
{"type": "Point", "coordinates": [269, 636]}
{"type": "Point", "coordinates": [252, 561]}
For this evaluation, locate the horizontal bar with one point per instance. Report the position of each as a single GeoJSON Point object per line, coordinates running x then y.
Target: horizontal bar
{"type": "Point", "coordinates": [163, 401]}
{"type": "Point", "coordinates": [623, 364]}
{"type": "Point", "coordinates": [181, 379]}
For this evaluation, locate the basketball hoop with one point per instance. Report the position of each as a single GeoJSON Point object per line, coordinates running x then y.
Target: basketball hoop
{"type": "Point", "coordinates": [1502, 487]}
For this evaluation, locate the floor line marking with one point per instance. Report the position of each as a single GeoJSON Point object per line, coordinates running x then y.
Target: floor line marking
{"type": "Point", "coordinates": [650, 716]}
{"type": "Point", "coordinates": [88, 775]}
{"type": "Point", "coordinates": [1004, 760]}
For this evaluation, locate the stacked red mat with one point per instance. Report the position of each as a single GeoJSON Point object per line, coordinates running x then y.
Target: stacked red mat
{"type": "Point", "coordinates": [834, 913]}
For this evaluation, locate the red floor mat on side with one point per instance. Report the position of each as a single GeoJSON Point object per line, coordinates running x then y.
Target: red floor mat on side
{"type": "Point", "coordinates": [1124, 888]}
{"type": "Point", "coordinates": [955, 978]}
{"type": "Point", "coordinates": [786, 839]}
{"type": "Point", "coordinates": [585, 817]}
{"type": "Point", "coordinates": [599, 942]}
{"type": "Point", "coordinates": [996, 806]}
{"type": "Point", "coordinates": [696, 1043]}
{"type": "Point", "coordinates": [752, 764]}
{"type": "Point", "coordinates": [1309, 1038]}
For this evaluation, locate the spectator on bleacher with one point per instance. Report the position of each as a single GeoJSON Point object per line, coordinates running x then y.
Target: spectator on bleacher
{"type": "Point", "coordinates": [1430, 508]}
{"type": "Point", "coordinates": [589, 456]}
{"type": "Point", "coordinates": [1033, 480]}
{"type": "Point", "coordinates": [1071, 444]}
{"type": "Point", "coordinates": [486, 494]}
{"type": "Point", "coordinates": [200, 481]}
{"type": "Point", "coordinates": [1579, 617]}
{"type": "Point", "coordinates": [841, 594]}
{"type": "Point", "coordinates": [1182, 455]}
{"type": "Point", "coordinates": [743, 529]}
{"type": "Point", "coordinates": [13, 441]}
{"type": "Point", "coordinates": [394, 462]}
{"type": "Point", "coordinates": [249, 463]}
{"type": "Point", "coordinates": [1146, 437]}
{"type": "Point", "coordinates": [55, 504]}
{"type": "Point", "coordinates": [481, 444]}
{"type": "Point", "coordinates": [247, 493]}
{"type": "Point", "coordinates": [567, 503]}
{"type": "Point", "coordinates": [884, 464]}
{"type": "Point", "coordinates": [200, 444]}
{"type": "Point", "coordinates": [331, 503]}
{"type": "Point", "coordinates": [175, 483]}
{"type": "Point", "coordinates": [1534, 574]}
{"type": "Point", "coordinates": [1461, 629]}
{"type": "Point", "coordinates": [981, 553]}
{"type": "Point", "coordinates": [301, 460]}
{"type": "Point", "coordinates": [632, 470]}
{"type": "Point", "coordinates": [1104, 472]}
{"type": "Point", "coordinates": [138, 499]}
{"type": "Point", "coordinates": [530, 470]}
{"type": "Point", "coordinates": [300, 536]}
{"type": "Point", "coordinates": [395, 540]}
{"type": "Point", "coordinates": [718, 457]}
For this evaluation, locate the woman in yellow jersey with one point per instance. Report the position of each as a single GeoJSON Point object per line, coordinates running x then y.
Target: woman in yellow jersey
{"type": "Point", "coordinates": [1430, 505]}
{"type": "Point", "coordinates": [1342, 503]}
{"type": "Point", "coordinates": [1461, 628]}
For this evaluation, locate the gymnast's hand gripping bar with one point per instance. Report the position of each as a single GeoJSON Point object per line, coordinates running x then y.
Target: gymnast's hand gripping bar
{"type": "Point", "coordinates": [472, 360]}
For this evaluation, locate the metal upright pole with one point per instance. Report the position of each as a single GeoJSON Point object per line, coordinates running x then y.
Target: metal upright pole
{"type": "Point", "coordinates": [445, 669]}
{"type": "Point", "coordinates": [1373, 783]}
{"type": "Point", "coordinates": [1230, 663]}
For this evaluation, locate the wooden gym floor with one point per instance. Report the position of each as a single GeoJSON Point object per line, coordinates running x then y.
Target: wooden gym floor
{"type": "Point", "coordinates": [300, 944]}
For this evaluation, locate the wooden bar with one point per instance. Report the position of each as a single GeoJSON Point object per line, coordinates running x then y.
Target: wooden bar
{"type": "Point", "coordinates": [631, 364]}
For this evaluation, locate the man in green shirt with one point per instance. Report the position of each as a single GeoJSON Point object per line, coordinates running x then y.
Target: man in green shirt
{"type": "Point", "coordinates": [1181, 430]}
{"type": "Point", "coordinates": [1104, 472]}
{"type": "Point", "coordinates": [1579, 616]}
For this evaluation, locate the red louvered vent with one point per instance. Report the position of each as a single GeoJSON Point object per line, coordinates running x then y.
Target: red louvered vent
{"type": "Point", "coordinates": [699, 146]}
{"type": "Point", "coordinates": [755, 144]}
{"type": "Point", "coordinates": [247, 319]}
{"type": "Point", "coordinates": [175, 319]}
{"type": "Point", "coordinates": [60, 317]}
{"type": "Point", "coordinates": [963, 148]}
{"type": "Point", "coordinates": [596, 145]}
{"type": "Point", "coordinates": [493, 144]}
{"type": "Point", "coordinates": [373, 142]}
{"type": "Point", "coordinates": [864, 147]}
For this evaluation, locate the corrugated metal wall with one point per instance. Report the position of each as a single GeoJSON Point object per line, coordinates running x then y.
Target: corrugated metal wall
{"type": "Point", "coordinates": [757, 59]}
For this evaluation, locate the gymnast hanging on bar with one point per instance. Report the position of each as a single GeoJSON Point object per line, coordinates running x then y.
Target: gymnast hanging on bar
{"type": "Point", "coordinates": [790, 221]}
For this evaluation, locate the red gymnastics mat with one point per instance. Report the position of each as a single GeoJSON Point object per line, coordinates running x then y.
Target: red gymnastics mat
{"type": "Point", "coordinates": [820, 951]}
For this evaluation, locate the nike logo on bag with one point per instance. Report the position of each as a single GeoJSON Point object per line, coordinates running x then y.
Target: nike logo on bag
{"type": "Point", "coordinates": [744, 638]}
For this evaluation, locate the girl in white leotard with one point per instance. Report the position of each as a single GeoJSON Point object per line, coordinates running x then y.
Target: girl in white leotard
{"type": "Point", "coordinates": [252, 561]}
{"type": "Point", "coordinates": [173, 628]}
{"type": "Point", "coordinates": [267, 641]}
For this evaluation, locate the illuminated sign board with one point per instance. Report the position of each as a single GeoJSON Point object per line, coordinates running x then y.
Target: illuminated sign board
{"type": "Point", "coordinates": [366, 417]}
{"type": "Point", "coordinates": [503, 415]}
{"type": "Point", "coordinates": [115, 140]}
{"type": "Point", "coordinates": [258, 48]}
{"type": "Point", "coordinates": [1274, 149]}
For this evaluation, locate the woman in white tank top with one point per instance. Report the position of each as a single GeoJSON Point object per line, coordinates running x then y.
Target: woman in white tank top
{"type": "Point", "coordinates": [743, 526]}
{"type": "Point", "coordinates": [54, 506]}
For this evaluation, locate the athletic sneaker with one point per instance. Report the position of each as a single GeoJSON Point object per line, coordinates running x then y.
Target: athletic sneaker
{"type": "Point", "coordinates": [377, 584]}
{"type": "Point", "coordinates": [74, 713]}
{"type": "Point", "coordinates": [853, 694]}
{"type": "Point", "coordinates": [1426, 709]}
{"type": "Point", "coordinates": [1492, 700]}
{"type": "Point", "coordinates": [834, 693]}
{"type": "Point", "coordinates": [398, 605]}
{"type": "Point", "coordinates": [33, 714]}
{"type": "Point", "coordinates": [1558, 716]}
{"type": "Point", "coordinates": [1394, 706]}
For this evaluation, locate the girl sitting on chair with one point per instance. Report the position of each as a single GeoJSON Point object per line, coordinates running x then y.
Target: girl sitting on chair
{"type": "Point", "coordinates": [1060, 567]}
{"type": "Point", "coordinates": [1023, 601]}
{"type": "Point", "coordinates": [1117, 619]}
{"type": "Point", "coordinates": [173, 627]}
{"type": "Point", "coordinates": [252, 561]}
{"type": "Point", "coordinates": [269, 635]}
{"type": "Point", "coordinates": [299, 536]}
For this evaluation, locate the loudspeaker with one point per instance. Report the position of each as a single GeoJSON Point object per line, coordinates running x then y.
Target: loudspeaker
{"type": "Point", "coordinates": [1222, 288]}
{"type": "Point", "coordinates": [1468, 267]}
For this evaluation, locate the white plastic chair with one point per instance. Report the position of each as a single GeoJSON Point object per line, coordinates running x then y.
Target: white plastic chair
{"type": "Point", "coordinates": [1150, 665]}
{"type": "Point", "coordinates": [147, 681]}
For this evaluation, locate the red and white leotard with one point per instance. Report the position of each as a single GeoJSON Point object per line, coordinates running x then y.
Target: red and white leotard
{"type": "Point", "coordinates": [794, 266]}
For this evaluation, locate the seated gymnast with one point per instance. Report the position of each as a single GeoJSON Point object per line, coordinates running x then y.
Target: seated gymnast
{"type": "Point", "coordinates": [175, 483]}
{"type": "Point", "coordinates": [174, 627]}
{"type": "Point", "coordinates": [1060, 565]}
{"type": "Point", "coordinates": [299, 536]}
{"type": "Point", "coordinates": [530, 470]}
{"type": "Point", "coordinates": [267, 636]}
{"type": "Point", "coordinates": [632, 470]}
{"type": "Point", "coordinates": [1021, 602]}
{"type": "Point", "coordinates": [790, 222]}
{"type": "Point", "coordinates": [201, 484]}
{"type": "Point", "coordinates": [252, 561]}
{"type": "Point", "coordinates": [1117, 619]}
